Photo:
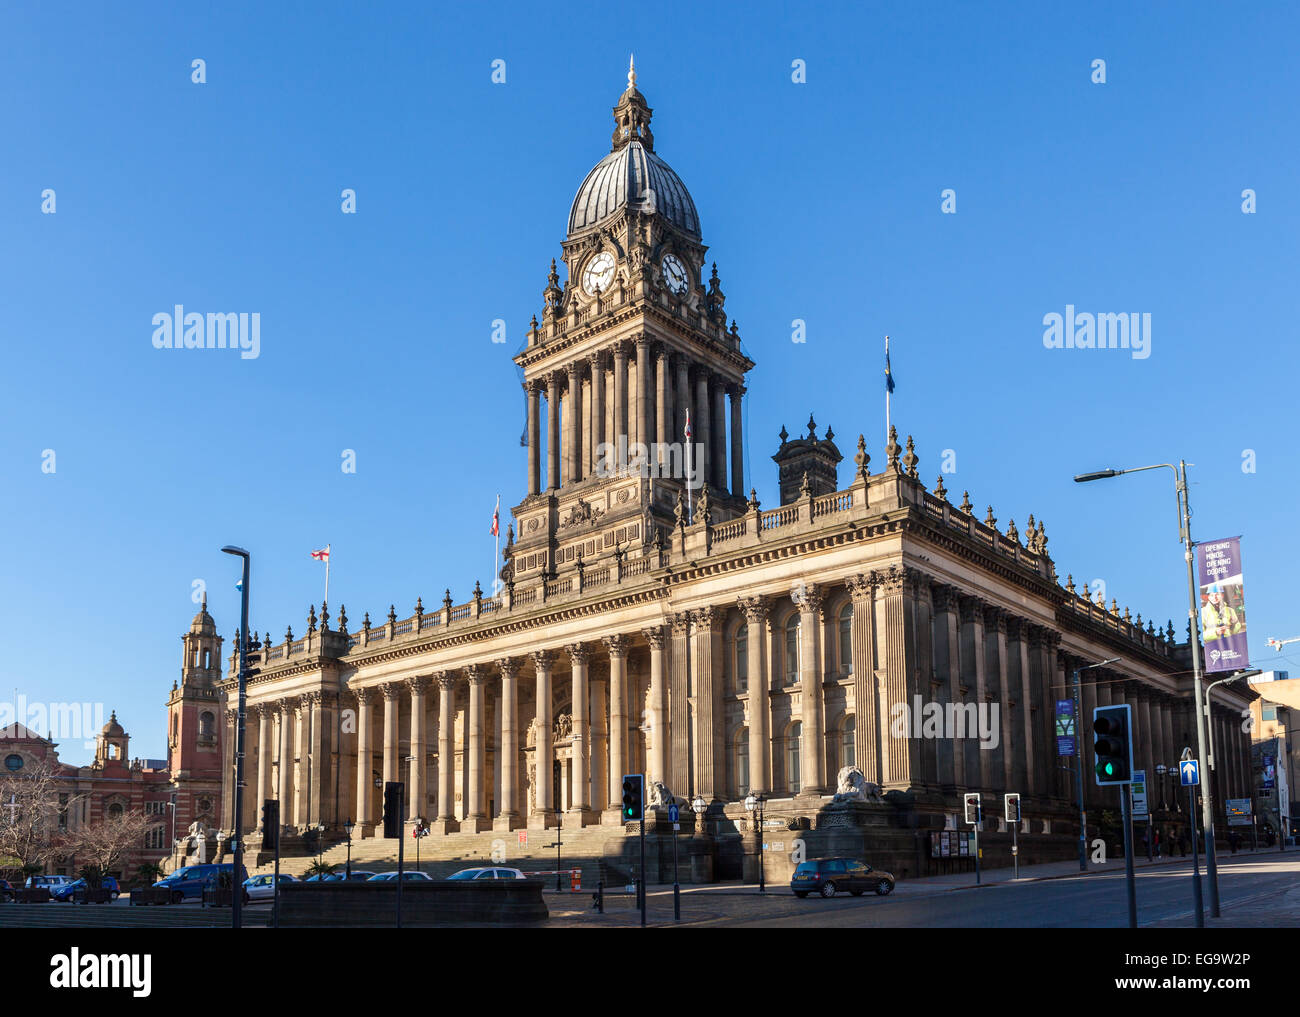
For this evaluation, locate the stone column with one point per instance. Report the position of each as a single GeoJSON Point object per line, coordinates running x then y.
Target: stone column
{"type": "Point", "coordinates": [682, 783]}
{"type": "Point", "coordinates": [702, 426]}
{"type": "Point", "coordinates": [599, 752]}
{"type": "Point", "coordinates": [544, 748]}
{"type": "Point", "coordinates": [553, 431]}
{"type": "Point", "coordinates": [392, 742]}
{"type": "Point", "coordinates": [581, 806]}
{"type": "Point", "coordinates": [476, 818]}
{"type": "Point", "coordinates": [284, 792]}
{"type": "Point", "coordinates": [812, 742]}
{"type": "Point", "coordinates": [265, 749]}
{"type": "Point", "coordinates": [617, 646]}
{"type": "Point", "coordinates": [365, 782]}
{"type": "Point", "coordinates": [510, 816]}
{"type": "Point", "coordinates": [534, 438]}
{"type": "Point", "coordinates": [865, 692]}
{"type": "Point", "coordinates": [446, 822]}
{"type": "Point", "coordinates": [417, 795]}
{"type": "Point", "coordinates": [597, 363]}
{"type": "Point", "coordinates": [978, 771]}
{"type": "Point", "coordinates": [760, 740]}
{"type": "Point", "coordinates": [645, 393]}
{"type": "Point", "coordinates": [737, 393]}
{"type": "Point", "coordinates": [620, 402]}
{"type": "Point", "coordinates": [301, 722]}
{"type": "Point", "coordinates": [682, 401]}
{"type": "Point", "coordinates": [573, 428]}
{"type": "Point", "coordinates": [947, 667]}
{"type": "Point", "coordinates": [997, 620]}
{"type": "Point", "coordinates": [710, 743]}
{"type": "Point", "coordinates": [320, 791]}
{"type": "Point", "coordinates": [663, 413]}
{"type": "Point", "coordinates": [657, 764]}
{"type": "Point", "coordinates": [227, 818]}
{"type": "Point", "coordinates": [719, 430]}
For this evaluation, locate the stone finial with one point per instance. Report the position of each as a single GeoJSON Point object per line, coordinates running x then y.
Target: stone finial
{"type": "Point", "coordinates": [812, 428]}
{"type": "Point", "coordinates": [1114, 606]}
{"type": "Point", "coordinates": [288, 634]}
{"type": "Point", "coordinates": [805, 486]}
{"type": "Point", "coordinates": [1012, 532]}
{"type": "Point", "coordinates": [311, 619]}
{"type": "Point", "coordinates": [704, 510]}
{"type": "Point", "coordinates": [714, 282]}
{"type": "Point", "coordinates": [419, 607]}
{"type": "Point", "coordinates": [1151, 628]}
{"type": "Point", "coordinates": [553, 277]}
{"type": "Point", "coordinates": [1169, 632]}
{"type": "Point", "coordinates": [679, 510]}
{"type": "Point", "coordinates": [753, 499]}
{"type": "Point", "coordinates": [966, 506]}
{"type": "Point", "coordinates": [446, 600]}
{"type": "Point", "coordinates": [1069, 582]}
{"type": "Point", "coordinates": [510, 534]}
{"type": "Point", "coordinates": [1126, 615]}
{"type": "Point", "coordinates": [1042, 538]}
{"type": "Point", "coordinates": [324, 617]}
{"type": "Point", "coordinates": [1139, 620]}
{"type": "Point", "coordinates": [784, 435]}
{"type": "Point", "coordinates": [735, 332]}
{"type": "Point", "coordinates": [939, 490]}
{"type": "Point", "coordinates": [392, 614]}
{"type": "Point", "coordinates": [910, 460]}
{"type": "Point", "coordinates": [365, 623]}
{"type": "Point", "coordinates": [862, 459]}
{"type": "Point", "coordinates": [892, 449]}
{"type": "Point", "coordinates": [1100, 601]}
{"type": "Point", "coordinates": [343, 619]}
{"type": "Point", "coordinates": [830, 434]}
{"type": "Point", "coordinates": [990, 520]}
{"type": "Point", "coordinates": [478, 590]}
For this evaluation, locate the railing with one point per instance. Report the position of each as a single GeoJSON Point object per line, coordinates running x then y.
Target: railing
{"type": "Point", "coordinates": [934, 506]}
{"type": "Point", "coordinates": [298, 646]}
{"type": "Point", "coordinates": [730, 531]}
{"type": "Point", "coordinates": [782, 516]}
{"type": "Point", "coordinates": [840, 501]}
{"type": "Point", "coordinates": [596, 577]}
{"type": "Point", "coordinates": [525, 597]}
{"type": "Point", "coordinates": [460, 613]}
{"type": "Point", "coordinates": [376, 634]}
{"type": "Point", "coordinates": [275, 653]}
{"type": "Point", "coordinates": [403, 627]}
{"type": "Point", "coordinates": [559, 587]}
{"type": "Point", "coordinates": [494, 604]}
{"type": "Point", "coordinates": [638, 567]}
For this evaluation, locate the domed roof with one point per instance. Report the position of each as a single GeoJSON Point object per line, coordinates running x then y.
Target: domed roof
{"type": "Point", "coordinates": [626, 176]}
{"type": "Point", "coordinates": [112, 729]}
{"type": "Point", "coordinates": [632, 174]}
{"type": "Point", "coordinates": [203, 624]}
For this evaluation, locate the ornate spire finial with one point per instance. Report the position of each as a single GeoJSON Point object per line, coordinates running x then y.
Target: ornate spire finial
{"type": "Point", "coordinates": [1012, 532]}
{"type": "Point", "coordinates": [631, 70]}
{"type": "Point", "coordinates": [783, 435]}
{"type": "Point", "coordinates": [862, 459]}
{"type": "Point", "coordinates": [892, 449]}
{"type": "Point", "coordinates": [205, 607]}
{"type": "Point", "coordinates": [965, 505]}
{"type": "Point", "coordinates": [939, 490]}
{"type": "Point", "coordinates": [990, 520]}
{"type": "Point", "coordinates": [910, 460]}
{"type": "Point", "coordinates": [812, 427]}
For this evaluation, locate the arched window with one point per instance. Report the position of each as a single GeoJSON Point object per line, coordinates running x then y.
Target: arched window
{"type": "Point", "coordinates": [207, 725]}
{"type": "Point", "coordinates": [792, 649]}
{"type": "Point", "coordinates": [115, 811]}
{"type": "Point", "coordinates": [740, 762]}
{"type": "Point", "coordinates": [848, 741]}
{"type": "Point", "coordinates": [792, 738]}
{"type": "Point", "coordinates": [846, 638]}
{"type": "Point", "coordinates": [741, 658]}
{"type": "Point", "coordinates": [207, 658]}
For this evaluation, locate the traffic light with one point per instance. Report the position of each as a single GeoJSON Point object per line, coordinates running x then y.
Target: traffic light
{"type": "Point", "coordinates": [633, 797]}
{"type": "Point", "coordinates": [270, 824]}
{"type": "Point", "coordinates": [973, 813]}
{"type": "Point", "coordinates": [1011, 806]}
{"type": "Point", "coordinates": [1112, 744]}
{"type": "Point", "coordinates": [393, 809]}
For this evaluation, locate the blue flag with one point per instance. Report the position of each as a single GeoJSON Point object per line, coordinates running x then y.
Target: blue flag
{"type": "Point", "coordinates": [889, 377]}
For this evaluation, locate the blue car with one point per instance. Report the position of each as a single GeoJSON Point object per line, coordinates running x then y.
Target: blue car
{"type": "Point", "coordinates": [190, 882]}
{"type": "Point", "coordinates": [68, 891]}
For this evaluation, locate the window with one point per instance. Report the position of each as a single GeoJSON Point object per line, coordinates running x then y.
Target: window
{"type": "Point", "coordinates": [792, 757]}
{"type": "Point", "coordinates": [741, 658]}
{"type": "Point", "coordinates": [13, 762]}
{"type": "Point", "coordinates": [155, 838]}
{"type": "Point", "coordinates": [1270, 713]}
{"type": "Point", "coordinates": [792, 650]}
{"type": "Point", "coordinates": [155, 808]}
{"type": "Point", "coordinates": [848, 742]}
{"type": "Point", "coordinates": [846, 638]}
{"type": "Point", "coordinates": [63, 812]}
{"type": "Point", "coordinates": [115, 811]}
{"type": "Point", "coordinates": [207, 724]}
{"type": "Point", "coordinates": [740, 762]}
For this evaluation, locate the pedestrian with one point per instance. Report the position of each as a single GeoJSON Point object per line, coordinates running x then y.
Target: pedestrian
{"type": "Point", "coordinates": [1157, 837]}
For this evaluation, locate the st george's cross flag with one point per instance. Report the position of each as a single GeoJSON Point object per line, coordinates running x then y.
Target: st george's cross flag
{"type": "Point", "coordinates": [496, 517]}
{"type": "Point", "coordinates": [323, 555]}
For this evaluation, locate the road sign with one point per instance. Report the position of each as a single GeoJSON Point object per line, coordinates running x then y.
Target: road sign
{"type": "Point", "coordinates": [1139, 786]}
{"type": "Point", "coordinates": [673, 813]}
{"type": "Point", "coordinates": [1190, 771]}
{"type": "Point", "coordinates": [1239, 812]}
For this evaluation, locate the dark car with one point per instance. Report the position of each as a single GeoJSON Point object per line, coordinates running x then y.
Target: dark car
{"type": "Point", "coordinates": [68, 891]}
{"type": "Point", "coordinates": [190, 882]}
{"type": "Point", "coordinates": [7, 890]}
{"type": "Point", "coordinates": [828, 876]}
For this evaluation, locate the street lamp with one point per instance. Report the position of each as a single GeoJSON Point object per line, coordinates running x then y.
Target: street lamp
{"type": "Point", "coordinates": [347, 829]}
{"type": "Point", "coordinates": [698, 806]}
{"type": "Point", "coordinates": [1193, 623]}
{"type": "Point", "coordinates": [1078, 751]}
{"type": "Point", "coordinates": [1161, 770]}
{"type": "Point", "coordinates": [754, 804]}
{"type": "Point", "coordinates": [236, 898]}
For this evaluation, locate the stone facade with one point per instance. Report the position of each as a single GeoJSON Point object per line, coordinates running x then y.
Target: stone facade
{"type": "Point", "coordinates": [644, 624]}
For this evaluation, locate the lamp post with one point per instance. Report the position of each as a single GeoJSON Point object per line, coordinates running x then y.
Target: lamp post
{"type": "Point", "coordinates": [698, 806]}
{"type": "Point", "coordinates": [1161, 770]}
{"type": "Point", "coordinates": [1193, 622]}
{"type": "Point", "coordinates": [236, 898]}
{"type": "Point", "coordinates": [754, 804]}
{"type": "Point", "coordinates": [1078, 751]}
{"type": "Point", "coordinates": [320, 843]}
{"type": "Point", "coordinates": [347, 829]}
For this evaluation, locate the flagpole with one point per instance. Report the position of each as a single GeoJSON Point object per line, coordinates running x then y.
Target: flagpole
{"type": "Point", "coordinates": [327, 573]}
{"type": "Point", "coordinates": [495, 561]}
{"type": "Point", "coordinates": [886, 392]}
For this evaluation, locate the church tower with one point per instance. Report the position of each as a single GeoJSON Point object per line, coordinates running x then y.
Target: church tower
{"type": "Point", "coordinates": [632, 346]}
{"type": "Point", "coordinates": [194, 712]}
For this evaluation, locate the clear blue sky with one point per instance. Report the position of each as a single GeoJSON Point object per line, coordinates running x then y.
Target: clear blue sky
{"type": "Point", "coordinates": [820, 201]}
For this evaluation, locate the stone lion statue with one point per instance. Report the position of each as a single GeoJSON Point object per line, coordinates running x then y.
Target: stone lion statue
{"type": "Point", "coordinates": [661, 797]}
{"type": "Point", "coordinates": [852, 786]}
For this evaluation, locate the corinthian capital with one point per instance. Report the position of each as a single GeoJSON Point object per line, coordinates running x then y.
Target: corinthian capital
{"type": "Point", "coordinates": [755, 609]}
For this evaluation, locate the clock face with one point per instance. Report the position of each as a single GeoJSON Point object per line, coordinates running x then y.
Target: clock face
{"type": "Point", "coordinates": [675, 275]}
{"type": "Point", "coordinates": [599, 273]}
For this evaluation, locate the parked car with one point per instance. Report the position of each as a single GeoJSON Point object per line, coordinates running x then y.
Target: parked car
{"type": "Point", "coordinates": [68, 891]}
{"type": "Point", "coordinates": [50, 883]}
{"type": "Point", "coordinates": [7, 890]}
{"type": "Point", "coordinates": [358, 875]}
{"type": "Point", "coordinates": [384, 877]}
{"type": "Point", "coordinates": [828, 876]}
{"type": "Point", "coordinates": [188, 883]}
{"type": "Point", "coordinates": [263, 887]}
{"type": "Point", "coordinates": [491, 872]}
{"type": "Point", "coordinates": [320, 877]}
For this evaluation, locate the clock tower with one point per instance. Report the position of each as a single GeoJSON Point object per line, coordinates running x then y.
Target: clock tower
{"type": "Point", "coordinates": [632, 355]}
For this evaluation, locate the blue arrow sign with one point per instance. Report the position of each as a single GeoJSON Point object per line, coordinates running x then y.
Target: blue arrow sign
{"type": "Point", "coordinates": [673, 813]}
{"type": "Point", "coordinates": [1190, 770]}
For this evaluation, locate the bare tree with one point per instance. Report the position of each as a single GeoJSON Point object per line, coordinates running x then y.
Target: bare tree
{"type": "Point", "coordinates": [29, 814]}
{"type": "Point", "coordinates": [103, 844]}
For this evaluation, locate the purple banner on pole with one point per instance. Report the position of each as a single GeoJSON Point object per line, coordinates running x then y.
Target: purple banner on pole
{"type": "Point", "coordinates": [1065, 727]}
{"type": "Point", "coordinates": [1223, 605]}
